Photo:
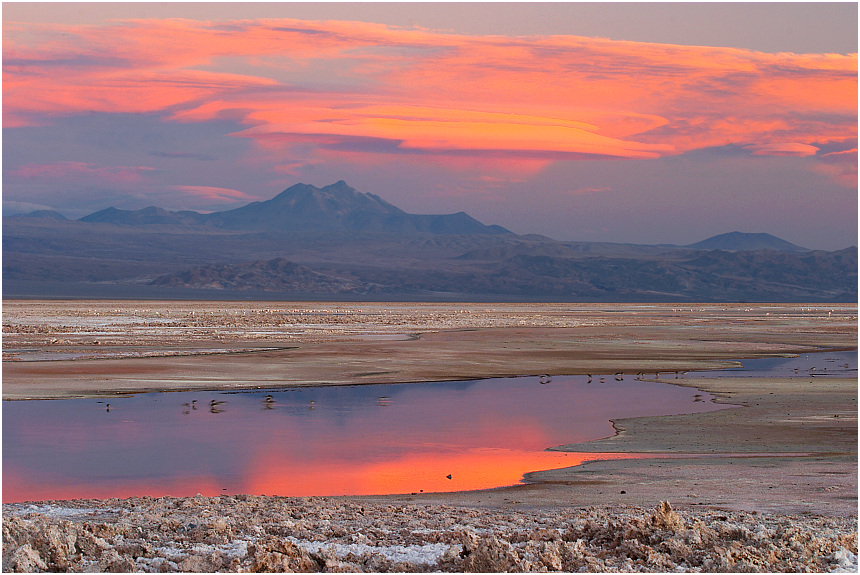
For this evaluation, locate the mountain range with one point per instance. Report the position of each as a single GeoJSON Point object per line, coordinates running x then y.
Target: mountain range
{"type": "Point", "coordinates": [337, 243]}
{"type": "Point", "coordinates": [303, 207]}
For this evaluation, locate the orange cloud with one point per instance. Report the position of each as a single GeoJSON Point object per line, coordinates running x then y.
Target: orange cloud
{"type": "Point", "coordinates": [358, 89]}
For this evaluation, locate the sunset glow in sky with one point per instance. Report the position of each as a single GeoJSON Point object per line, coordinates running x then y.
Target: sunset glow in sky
{"type": "Point", "coordinates": [559, 119]}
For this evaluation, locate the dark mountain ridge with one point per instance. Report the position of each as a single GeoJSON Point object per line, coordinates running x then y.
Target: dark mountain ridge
{"type": "Point", "coordinates": [278, 275]}
{"type": "Point", "coordinates": [334, 242]}
{"type": "Point", "coordinates": [706, 276]}
{"type": "Point", "coordinates": [303, 207]}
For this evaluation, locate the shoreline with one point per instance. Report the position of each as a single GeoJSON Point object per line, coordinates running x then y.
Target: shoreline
{"type": "Point", "coordinates": [441, 355]}
{"type": "Point", "coordinates": [691, 367]}
{"type": "Point", "coordinates": [92, 394]}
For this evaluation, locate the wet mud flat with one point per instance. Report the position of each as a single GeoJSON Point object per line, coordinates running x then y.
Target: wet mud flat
{"type": "Point", "coordinates": [272, 534]}
{"type": "Point", "coordinates": [793, 510]}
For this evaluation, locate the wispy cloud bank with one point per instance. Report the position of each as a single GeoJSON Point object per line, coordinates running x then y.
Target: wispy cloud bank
{"type": "Point", "coordinates": [840, 165]}
{"type": "Point", "coordinates": [395, 91]}
{"type": "Point", "coordinates": [351, 90]}
{"type": "Point", "coordinates": [213, 194]}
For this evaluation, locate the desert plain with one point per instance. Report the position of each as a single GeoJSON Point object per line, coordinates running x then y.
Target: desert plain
{"type": "Point", "coordinates": [770, 485]}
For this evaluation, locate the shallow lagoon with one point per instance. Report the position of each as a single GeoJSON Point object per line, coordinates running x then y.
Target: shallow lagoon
{"type": "Point", "coordinates": [354, 440]}
{"type": "Point", "coordinates": [818, 364]}
{"type": "Point", "coordinates": [368, 439]}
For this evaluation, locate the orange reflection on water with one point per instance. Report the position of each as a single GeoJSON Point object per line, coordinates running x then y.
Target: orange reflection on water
{"type": "Point", "coordinates": [481, 468]}
{"type": "Point", "coordinates": [421, 472]}
{"type": "Point", "coordinates": [18, 488]}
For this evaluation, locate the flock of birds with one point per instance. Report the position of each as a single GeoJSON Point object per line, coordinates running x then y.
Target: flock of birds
{"type": "Point", "coordinates": [619, 376]}
{"type": "Point", "coordinates": [216, 406]}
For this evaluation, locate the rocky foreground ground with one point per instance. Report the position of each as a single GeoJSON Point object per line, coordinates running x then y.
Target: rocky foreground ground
{"type": "Point", "coordinates": [257, 533]}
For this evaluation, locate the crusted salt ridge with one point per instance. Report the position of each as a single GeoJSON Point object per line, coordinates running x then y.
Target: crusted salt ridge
{"type": "Point", "coordinates": [23, 509]}
{"type": "Point", "coordinates": [428, 554]}
{"type": "Point", "coordinates": [257, 533]}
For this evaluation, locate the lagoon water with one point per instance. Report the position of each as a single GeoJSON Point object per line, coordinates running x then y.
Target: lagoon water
{"type": "Point", "coordinates": [817, 364]}
{"type": "Point", "coordinates": [369, 439]}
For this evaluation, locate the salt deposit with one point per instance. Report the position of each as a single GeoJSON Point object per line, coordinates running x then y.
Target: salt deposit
{"type": "Point", "coordinates": [257, 533]}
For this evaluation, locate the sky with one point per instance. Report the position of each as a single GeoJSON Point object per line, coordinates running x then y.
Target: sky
{"type": "Point", "coordinates": [637, 123]}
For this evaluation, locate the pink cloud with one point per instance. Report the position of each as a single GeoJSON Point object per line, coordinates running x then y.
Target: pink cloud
{"type": "Point", "coordinates": [783, 149]}
{"type": "Point", "coordinates": [842, 156]}
{"type": "Point", "coordinates": [841, 166]}
{"type": "Point", "coordinates": [214, 194]}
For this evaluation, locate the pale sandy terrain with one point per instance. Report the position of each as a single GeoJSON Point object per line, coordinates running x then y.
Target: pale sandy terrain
{"type": "Point", "coordinates": [192, 345]}
{"type": "Point", "coordinates": [787, 458]}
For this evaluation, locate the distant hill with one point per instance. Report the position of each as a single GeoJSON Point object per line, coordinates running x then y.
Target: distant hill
{"type": "Point", "coordinates": [47, 214]}
{"type": "Point", "coordinates": [146, 216]}
{"type": "Point", "coordinates": [706, 276]}
{"type": "Point", "coordinates": [303, 207]}
{"type": "Point", "coordinates": [739, 241]}
{"type": "Point", "coordinates": [276, 275]}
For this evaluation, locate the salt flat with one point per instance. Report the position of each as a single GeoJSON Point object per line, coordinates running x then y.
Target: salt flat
{"type": "Point", "coordinates": [208, 345]}
{"type": "Point", "coordinates": [785, 453]}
